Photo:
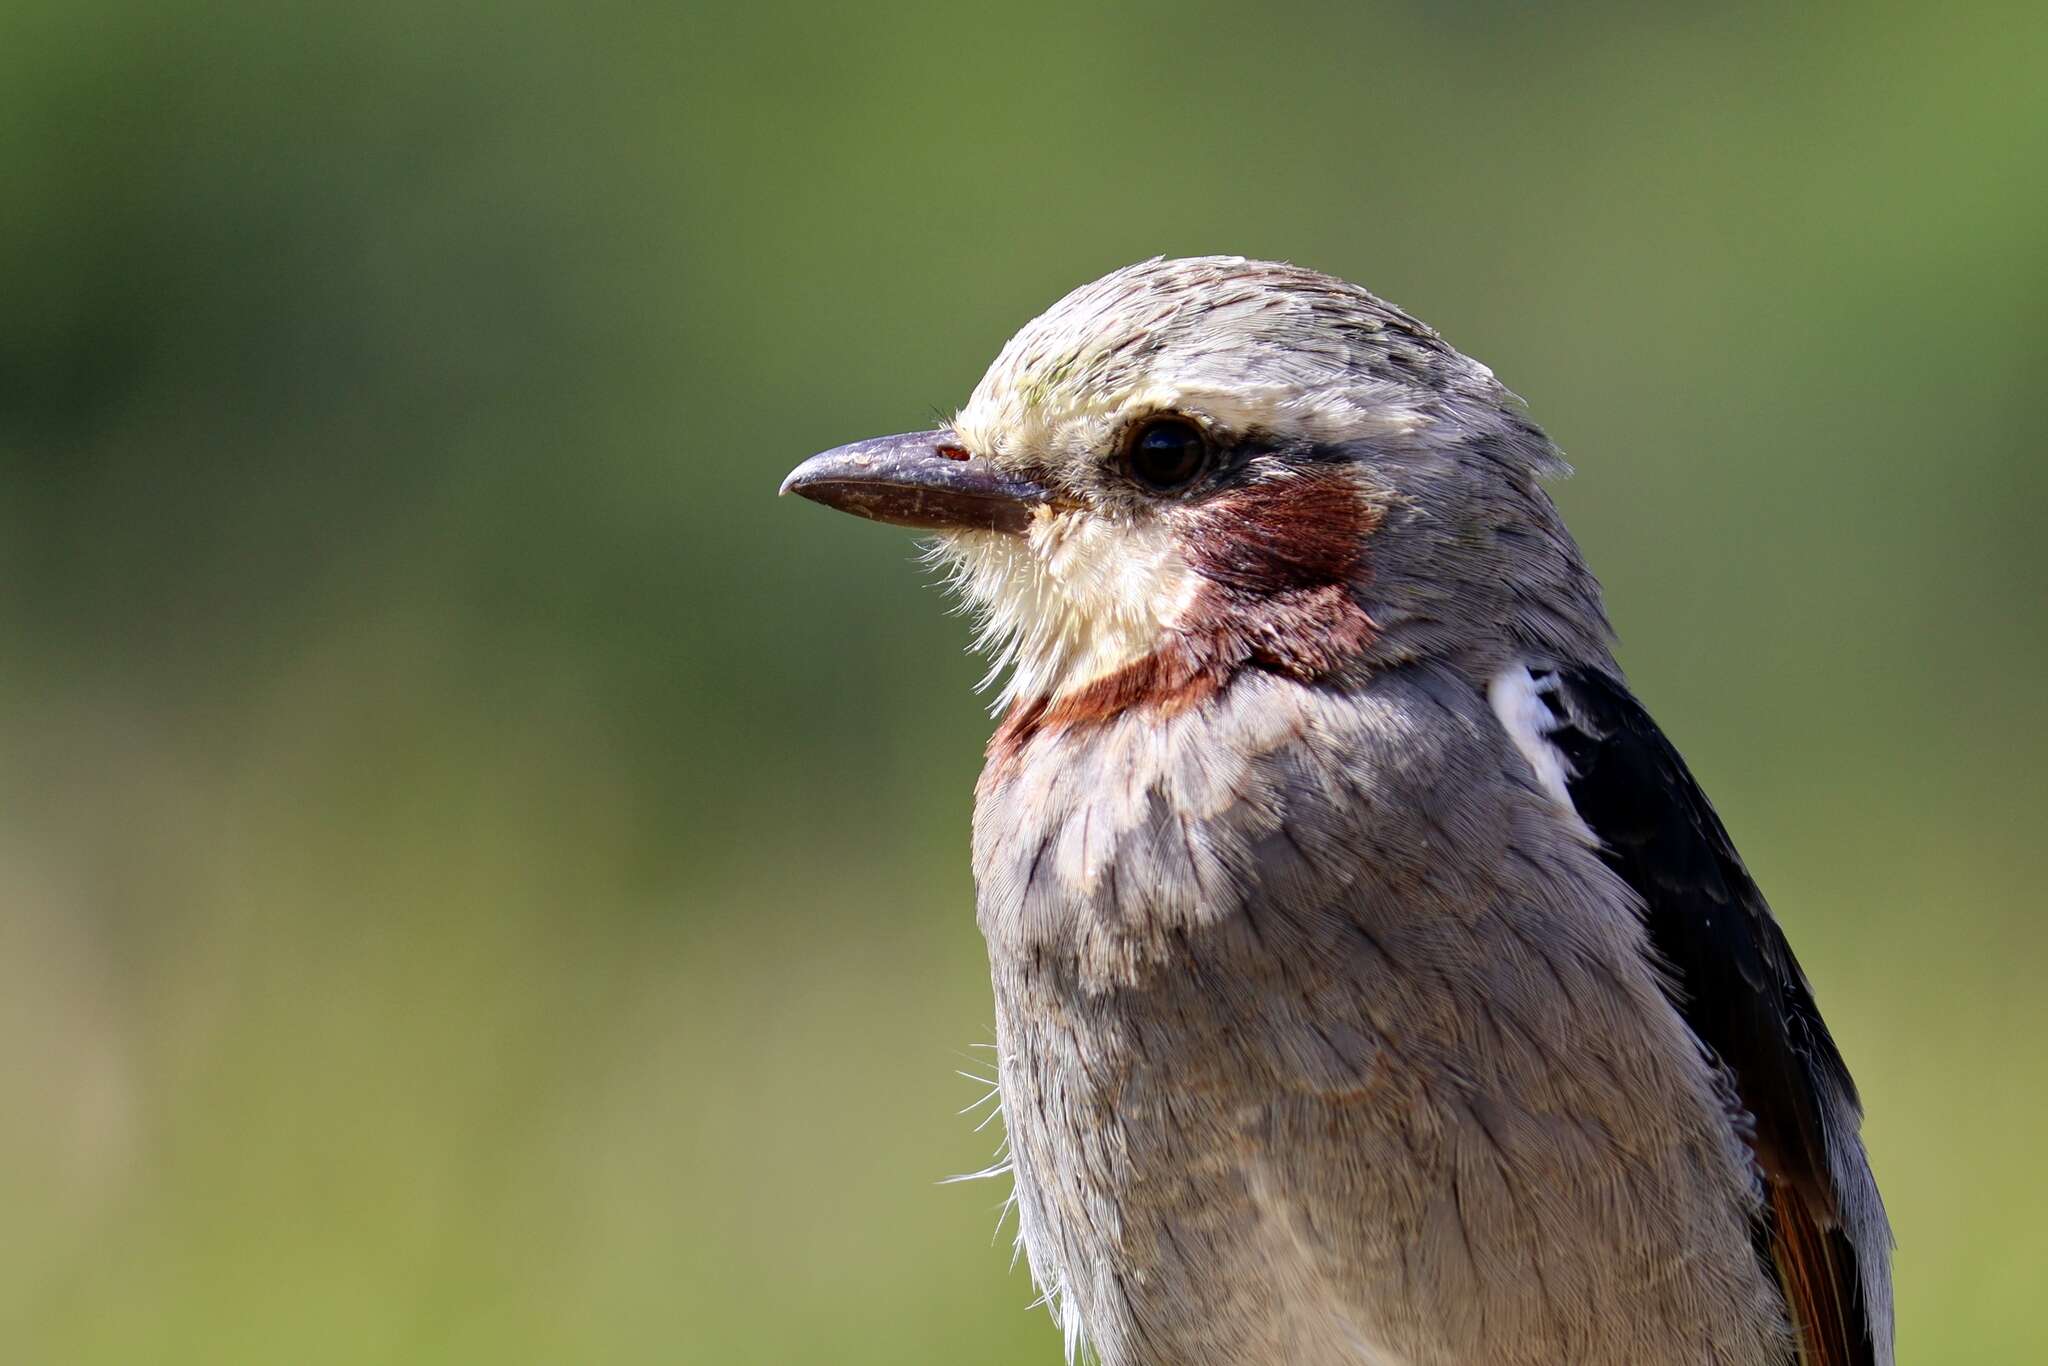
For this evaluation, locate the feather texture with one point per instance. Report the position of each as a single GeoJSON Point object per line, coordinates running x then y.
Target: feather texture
{"type": "Point", "coordinates": [1735, 980]}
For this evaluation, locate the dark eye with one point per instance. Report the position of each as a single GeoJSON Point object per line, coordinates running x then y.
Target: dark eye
{"type": "Point", "coordinates": [1167, 453]}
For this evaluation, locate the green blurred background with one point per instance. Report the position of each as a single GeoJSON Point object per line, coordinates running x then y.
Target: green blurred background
{"type": "Point", "coordinates": [482, 881]}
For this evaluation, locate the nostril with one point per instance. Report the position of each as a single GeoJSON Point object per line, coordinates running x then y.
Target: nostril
{"type": "Point", "coordinates": [953, 452]}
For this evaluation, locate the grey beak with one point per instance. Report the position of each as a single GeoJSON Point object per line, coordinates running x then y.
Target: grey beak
{"type": "Point", "coordinates": [922, 479]}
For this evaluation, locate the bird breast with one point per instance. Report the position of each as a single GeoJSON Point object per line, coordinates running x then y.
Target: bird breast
{"type": "Point", "coordinates": [1323, 1039]}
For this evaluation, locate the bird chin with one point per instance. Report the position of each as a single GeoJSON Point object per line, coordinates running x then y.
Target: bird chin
{"type": "Point", "coordinates": [1066, 605]}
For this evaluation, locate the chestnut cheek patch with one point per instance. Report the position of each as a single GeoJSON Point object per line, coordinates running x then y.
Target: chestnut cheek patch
{"type": "Point", "coordinates": [1280, 564]}
{"type": "Point", "coordinates": [1305, 532]}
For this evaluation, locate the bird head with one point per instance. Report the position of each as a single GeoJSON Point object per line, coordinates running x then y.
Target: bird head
{"type": "Point", "coordinates": [1193, 467]}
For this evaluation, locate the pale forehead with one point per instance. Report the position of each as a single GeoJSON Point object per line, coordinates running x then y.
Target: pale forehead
{"type": "Point", "coordinates": [1238, 340]}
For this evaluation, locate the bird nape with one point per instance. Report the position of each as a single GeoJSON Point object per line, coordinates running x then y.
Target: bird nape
{"type": "Point", "coordinates": [1373, 982]}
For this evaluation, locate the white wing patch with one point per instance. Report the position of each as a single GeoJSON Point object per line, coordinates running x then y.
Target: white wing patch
{"type": "Point", "coordinates": [1517, 696]}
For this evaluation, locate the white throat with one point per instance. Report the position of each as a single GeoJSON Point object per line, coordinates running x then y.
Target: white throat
{"type": "Point", "coordinates": [1073, 601]}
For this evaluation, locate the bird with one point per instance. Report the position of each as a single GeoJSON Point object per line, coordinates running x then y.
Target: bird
{"type": "Point", "coordinates": [1373, 981]}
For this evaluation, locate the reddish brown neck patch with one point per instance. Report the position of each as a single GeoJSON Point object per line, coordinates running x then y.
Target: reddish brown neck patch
{"type": "Point", "coordinates": [1279, 564]}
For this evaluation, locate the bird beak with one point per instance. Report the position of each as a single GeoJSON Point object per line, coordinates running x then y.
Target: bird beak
{"type": "Point", "coordinates": [923, 479]}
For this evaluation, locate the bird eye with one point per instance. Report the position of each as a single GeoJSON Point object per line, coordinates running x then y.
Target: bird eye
{"type": "Point", "coordinates": [1167, 453]}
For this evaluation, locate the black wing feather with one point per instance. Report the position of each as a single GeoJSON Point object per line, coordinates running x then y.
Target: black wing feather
{"type": "Point", "coordinates": [1735, 981]}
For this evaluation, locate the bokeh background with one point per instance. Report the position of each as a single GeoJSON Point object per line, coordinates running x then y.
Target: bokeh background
{"type": "Point", "coordinates": [481, 881]}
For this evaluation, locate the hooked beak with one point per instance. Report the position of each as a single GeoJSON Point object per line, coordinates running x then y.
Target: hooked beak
{"type": "Point", "coordinates": [922, 479]}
